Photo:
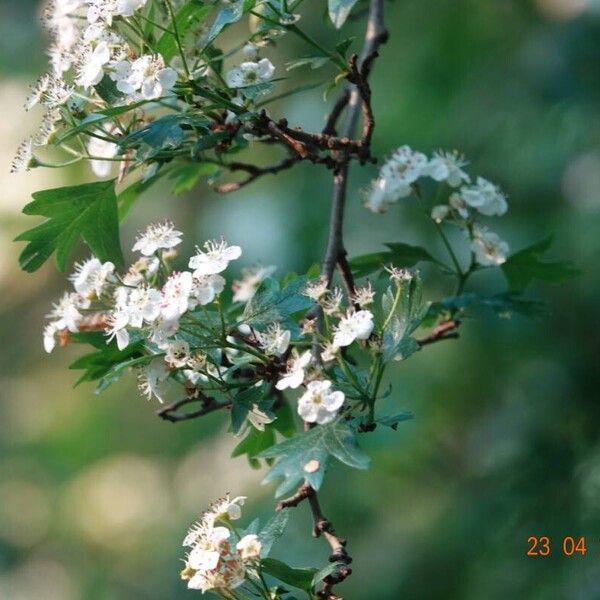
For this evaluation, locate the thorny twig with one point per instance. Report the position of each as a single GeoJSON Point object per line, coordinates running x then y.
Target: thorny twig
{"type": "Point", "coordinates": [447, 330]}
{"type": "Point", "coordinates": [208, 405]}
{"type": "Point", "coordinates": [357, 95]}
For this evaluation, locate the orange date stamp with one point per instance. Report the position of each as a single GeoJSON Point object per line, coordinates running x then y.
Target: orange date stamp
{"type": "Point", "coordinates": [542, 545]}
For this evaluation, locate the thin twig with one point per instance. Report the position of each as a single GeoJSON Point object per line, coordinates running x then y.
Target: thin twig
{"type": "Point", "coordinates": [446, 330]}
{"type": "Point", "coordinates": [169, 412]}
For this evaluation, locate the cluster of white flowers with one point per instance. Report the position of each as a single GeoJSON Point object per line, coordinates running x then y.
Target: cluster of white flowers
{"type": "Point", "coordinates": [85, 48]}
{"type": "Point", "coordinates": [397, 179]}
{"type": "Point", "coordinates": [218, 558]}
{"type": "Point", "coordinates": [130, 302]}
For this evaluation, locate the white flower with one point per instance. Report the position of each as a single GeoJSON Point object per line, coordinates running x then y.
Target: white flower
{"type": "Point", "coordinates": [274, 340]}
{"type": "Point", "coordinates": [157, 236]}
{"type": "Point", "coordinates": [244, 289]}
{"type": "Point", "coordinates": [143, 304]}
{"type": "Point", "coordinates": [458, 204]}
{"type": "Point", "coordinates": [206, 289]}
{"type": "Point", "coordinates": [176, 295]}
{"type": "Point", "coordinates": [146, 75]}
{"type": "Point", "coordinates": [486, 197]}
{"type": "Point", "coordinates": [91, 276]}
{"type": "Point", "coordinates": [65, 313]}
{"type": "Point", "coordinates": [319, 404]}
{"type": "Point", "coordinates": [91, 66]}
{"type": "Point", "coordinates": [294, 376]}
{"type": "Point", "coordinates": [363, 296]}
{"type": "Point", "coordinates": [126, 8]}
{"type": "Point", "coordinates": [315, 290]}
{"type": "Point", "coordinates": [226, 508]}
{"type": "Point", "coordinates": [49, 337]}
{"type": "Point", "coordinates": [329, 352]}
{"type": "Point", "coordinates": [489, 249]}
{"type": "Point", "coordinates": [163, 329]}
{"type": "Point", "coordinates": [259, 418]}
{"type": "Point", "coordinates": [178, 354]}
{"type": "Point", "coordinates": [395, 179]}
{"type": "Point", "coordinates": [249, 546]}
{"type": "Point", "coordinates": [38, 91]}
{"type": "Point", "coordinates": [440, 212]}
{"type": "Point", "coordinates": [215, 259]}
{"type": "Point", "coordinates": [101, 149]}
{"type": "Point", "coordinates": [447, 166]}
{"type": "Point", "coordinates": [152, 378]}
{"type": "Point", "coordinates": [353, 326]}
{"type": "Point", "coordinates": [250, 73]}
{"type": "Point", "coordinates": [207, 551]}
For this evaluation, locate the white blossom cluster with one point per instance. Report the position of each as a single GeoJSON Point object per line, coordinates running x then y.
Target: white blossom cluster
{"type": "Point", "coordinates": [400, 173]}
{"type": "Point", "coordinates": [218, 558]}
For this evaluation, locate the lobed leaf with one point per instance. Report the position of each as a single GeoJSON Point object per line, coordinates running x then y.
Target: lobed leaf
{"type": "Point", "coordinates": [87, 211]}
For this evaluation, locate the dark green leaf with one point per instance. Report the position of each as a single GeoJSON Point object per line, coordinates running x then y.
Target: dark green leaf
{"type": "Point", "coordinates": [129, 196]}
{"type": "Point", "coordinates": [271, 303]}
{"type": "Point", "coordinates": [524, 266]}
{"type": "Point", "coordinates": [305, 456]}
{"type": "Point", "coordinates": [231, 14]}
{"type": "Point", "coordinates": [298, 578]}
{"type": "Point", "coordinates": [88, 211]}
{"type": "Point", "coordinates": [107, 90]}
{"type": "Point", "coordinates": [272, 531]}
{"type": "Point", "coordinates": [339, 11]}
{"type": "Point", "coordinates": [314, 62]}
{"type": "Point", "coordinates": [400, 255]}
{"type": "Point", "coordinates": [254, 443]}
{"type": "Point", "coordinates": [188, 175]}
{"type": "Point", "coordinates": [189, 15]}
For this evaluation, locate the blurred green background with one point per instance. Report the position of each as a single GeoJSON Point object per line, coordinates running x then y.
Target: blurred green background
{"type": "Point", "coordinates": [96, 492]}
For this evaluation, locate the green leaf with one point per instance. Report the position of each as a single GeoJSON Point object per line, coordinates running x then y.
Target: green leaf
{"type": "Point", "coordinates": [231, 14]}
{"type": "Point", "coordinates": [106, 360]}
{"type": "Point", "coordinates": [403, 310]}
{"type": "Point", "coordinates": [504, 304]}
{"type": "Point", "coordinates": [115, 372]}
{"type": "Point", "coordinates": [254, 443]}
{"type": "Point", "coordinates": [189, 15]}
{"type": "Point", "coordinates": [394, 420]}
{"type": "Point", "coordinates": [188, 175]}
{"type": "Point", "coordinates": [339, 11]}
{"type": "Point", "coordinates": [107, 90]}
{"type": "Point", "coordinates": [272, 531]}
{"type": "Point", "coordinates": [399, 254]}
{"type": "Point", "coordinates": [524, 266]}
{"type": "Point", "coordinates": [130, 195]}
{"type": "Point", "coordinates": [88, 211]}
{"type": "Point", "coordinates": [251, 92]}
{"type": "Point", "coordinates": [305, 456]}
{"type": "Point", "coordinates": [97, 118]}
{"type": "Point", "coordinates": [314, 62]}
{"type": "Point", "coordinates": [326, 571]}
{"type": "Point", "coordinates": [298, 578]}
{"type": "Point", "coordinates": [271, 303]}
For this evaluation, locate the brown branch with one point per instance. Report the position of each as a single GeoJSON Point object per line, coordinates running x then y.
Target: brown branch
{"type": "Point", "coordinates": [336, 112]}
{"type": "Point", "coordinates": [209, 404]}
{"type": "Point", "coordinates": [447, 330]}
{"type": "Point", "coordinates": [254, 173]}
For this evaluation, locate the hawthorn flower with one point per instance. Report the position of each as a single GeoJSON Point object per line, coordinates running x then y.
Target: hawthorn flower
{"type": "Point", "coordinates": [244, 289]}
{"type": "Point", "coordinates": [458, 204]}
{"type": "Point", "coordinates": [363, 296]}
{"type": "Point", "coordinates": [48, 127]}
{"type": "Point", "coordinates": [175, 295]}
{"type": "Point", "coordinates": [151, 379]}
{"type": "Point", "coordinates": [147, 76]}
{"type": "Point", "coordinates": [226, 509]}
{"type": "Point", "coordinates": [294, 376]}
{"type": "Point", "coordinates": [207, 549]}
{"type": "Point", "coordinates": [355, 325]}
{"type": "Point", "coordinates": [66, 312]}
{"type": "Point", "coordinates": [399, 275]}
{"type": "Point", "coordinates": [24, 159]}
{"type": "Point", "coordinates": [156, 237]}
{"type": "Point", "coordinates": [333, 301]}
{"type": "Point", "coordinates": [38, 91]}
{"type": "Point", "coordinates": [127, 8]}
{"type": "Point", "coordinates": [102, 151]}
{"type": "Point", "coordinates": [249, 546]}
{"type": "Point", "coordinates": [91, 276]}
{"type": "Point", "coordinates": [258, 418]}
{"type": "Point", "coordinates": [275, 340]}
{"type": "Point", "coordinates": [250, 73]}
{"type": "Point", "coordinates": [315, 290]}
{"type": "Point", "coordinates": [90, 69]}
{"type": "Point", "coordinates": [329, 352]}
{"type": "Point", "coordinates": [143, 305]}
{"type": "Point", "coordinates": [447, 166]}
{"type": "Point", "coordinates": [440, 212]}
{"type": "Point", "coordinates": [215, 259]}
{"type": "Point", "coordinates": [486, 197]}
{"type": "Point", "coordinates": [205, 289]}
{"type": "Point", "coordinates": [178, 354]}
{"type": "Point", "coordinates": [319, 404]}
{"type": "Point", "coordinates": [489, 249]}
{"type": "Point", "coordinates": [161, 330]}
